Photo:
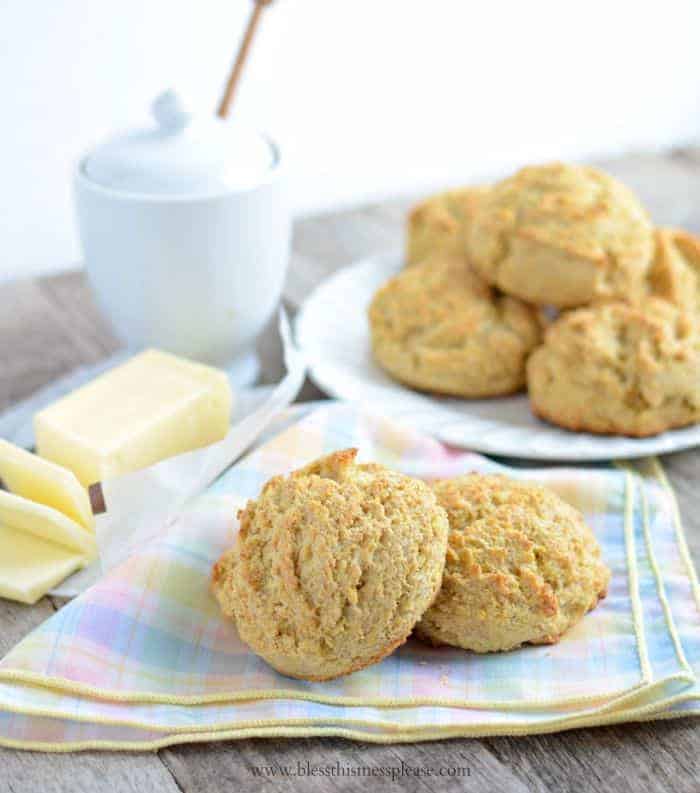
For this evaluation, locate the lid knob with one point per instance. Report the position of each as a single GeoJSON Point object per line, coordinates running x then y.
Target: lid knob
{"type": "Point", "coordinates": [169, 111]}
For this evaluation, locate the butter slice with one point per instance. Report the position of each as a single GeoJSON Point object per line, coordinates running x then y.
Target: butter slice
{"type": "Point", "coordinates": [36, 479]}
{"type": "Point", "coordinates": [154, 406]}
{"type": "Point", "coordinates": [45, 523]}
{"type": "Point", "coordinates": [30, 566]}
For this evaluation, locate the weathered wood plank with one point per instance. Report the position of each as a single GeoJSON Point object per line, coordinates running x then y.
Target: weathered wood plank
{"type": "Point", "coordinates": [47, 327]}
{"type": "Point", "coordinates": [88, 772]}
{"type": "Point", "coordinates": [18, 619]}
{"type": "Point", "coordinates": [35, 347]}
{"type": "Point", "coordinates": [282, 765]}
{"type": "Point", "coordinates": [656, 757]}
{"type": "Point", "coordinates": [78, 314]}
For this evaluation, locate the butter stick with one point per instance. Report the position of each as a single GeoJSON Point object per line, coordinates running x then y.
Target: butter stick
{"type": "Point", "coordinates": [155, 405]}
{"type": "Point", "coordinates": [30, 566]}
{"type": "Point", "coordinates": [36, 479]}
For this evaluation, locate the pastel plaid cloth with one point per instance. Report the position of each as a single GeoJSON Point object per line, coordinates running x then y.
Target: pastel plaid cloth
{"type": "Point", "coordinates": [143, 659]}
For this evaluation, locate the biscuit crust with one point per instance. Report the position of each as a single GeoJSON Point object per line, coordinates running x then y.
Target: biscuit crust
{"type": "Point", "coordinates": [619, 369]}
{"type": "Point", "coordinates": [562, 235]}
{"type": "Point", "coordinates": [675, 272]}
{"type": "Point", "coordinates": [333, 566]}
{"type": "Point", "coordinates": [522, 566]}
{"type": "Point", "coordinates": [438, 327]}
{"type": "Point", "coordinates": [440, 224]}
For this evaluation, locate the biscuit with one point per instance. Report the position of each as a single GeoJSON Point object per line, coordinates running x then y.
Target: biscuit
{"type": "Point", "coordinates": [562, 235]}
{"type": "Point", "coordinates": [675, 272]}
{"type": "Point", "coordinates": [522, 566]}
{"type": "Point", "coordinates": [439, 225]}
{"type": "Point", "coordinates": [438, 327]}
{"type": "Point", "coordinates": [333, 566]}
{"type": "Point", "coordinates": [618, 369]}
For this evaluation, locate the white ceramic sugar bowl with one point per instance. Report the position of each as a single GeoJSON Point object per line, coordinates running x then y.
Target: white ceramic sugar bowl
{"type": "Point", "coordinates": [185, 231]}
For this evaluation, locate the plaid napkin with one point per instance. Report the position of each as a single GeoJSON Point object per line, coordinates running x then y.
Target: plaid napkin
{"type": "Point", "coordinates": [143, 659]}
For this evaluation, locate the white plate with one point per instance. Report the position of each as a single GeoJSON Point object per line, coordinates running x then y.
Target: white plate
{"type": "Point", "coordinates": [332, 331]}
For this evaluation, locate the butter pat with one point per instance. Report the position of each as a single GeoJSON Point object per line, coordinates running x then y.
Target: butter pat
{"type": "Point", "coordinates": [155, 405]}
{"type": "Point", "coordinates": [45, 523]}
{"type": "Point", "coordinates": [30, 476]}
{"type": "Point", "coordinates": [30, 566]}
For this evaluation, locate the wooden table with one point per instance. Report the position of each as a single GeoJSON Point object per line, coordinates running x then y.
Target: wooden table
{"type": "Point", "coordinates": [50, 325]}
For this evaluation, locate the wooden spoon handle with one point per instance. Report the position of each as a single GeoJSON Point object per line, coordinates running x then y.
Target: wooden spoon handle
{"type": "Point", "coordinates": [243, 50]}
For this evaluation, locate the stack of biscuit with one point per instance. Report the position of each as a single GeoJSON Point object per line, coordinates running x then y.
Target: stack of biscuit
{"type": "Point", "coordinates": [486, 264]}
{"type": "Point", "coordinates": [336, 564]}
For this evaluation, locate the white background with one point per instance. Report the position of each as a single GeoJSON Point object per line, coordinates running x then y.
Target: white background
{"type": "Point", "coordinates": [369, 98]}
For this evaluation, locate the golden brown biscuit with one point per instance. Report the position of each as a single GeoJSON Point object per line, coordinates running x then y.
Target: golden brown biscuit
{"type": "Point", "coordinates": [675, 272]}
{"type": "Point", "coordinates": [438, 327]}
{"type": "Point", "coordinates": [562, 235]}
{"type": "Point", "coordinates": [522, 566]}
{"type": "Point", "coordinates": [618, 369]}
{"type": "Point", "coordinates": [333, 566]}
{"type": "Point", "coordinates": [439, 224]}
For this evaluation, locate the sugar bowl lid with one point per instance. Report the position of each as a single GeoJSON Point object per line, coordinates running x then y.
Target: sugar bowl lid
{"type": "Point", "coordinates": [183, 154]}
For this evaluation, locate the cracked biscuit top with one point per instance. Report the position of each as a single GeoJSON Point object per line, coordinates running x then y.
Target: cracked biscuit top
{"type": "Point", "coordinates": [675, 273]}
{"type": "Point", "coordinates": [440, 224]}
{"type": "Point", "coordinates": [562, 235]}
{"type": "Point", "coordinates": [333, 566]}
{"type": "Point", "coordinates": [618, 369]}
{"type": "Point", "coordinates": [439, 327]}
{"type": "Point", "coordinates": [522, 566]}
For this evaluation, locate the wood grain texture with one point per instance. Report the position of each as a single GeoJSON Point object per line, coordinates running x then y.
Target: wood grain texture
{"type": "Point", "coordinates": [278, 764]}
{"type": "Point", "coordinates": [17, 620]}
{"type": "Point", "coordinates": [89, 772]}
{"type": "Point", "coordinates": [655, 757]}
{"type": "Point", "coordinates": [49, 326]}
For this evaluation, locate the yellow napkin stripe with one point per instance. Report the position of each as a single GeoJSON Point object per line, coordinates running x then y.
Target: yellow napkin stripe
{"type": "Point", "coordinates": [660, 588]}
{"type": "Point", "coordinates": [615, 705]}
{"type": "Point", "coordinates": [642, 715]}
{"type": "Point", "coordinates": [61, 685]}
{"type": "Point", "coordinates": [633, 580]}
{"type": "Point", "coordinates": [680, 531]}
